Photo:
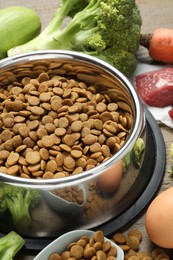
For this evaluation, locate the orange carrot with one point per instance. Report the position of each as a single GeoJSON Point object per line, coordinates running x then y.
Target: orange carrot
{"type": "Point", "coordinates": [159, 44]}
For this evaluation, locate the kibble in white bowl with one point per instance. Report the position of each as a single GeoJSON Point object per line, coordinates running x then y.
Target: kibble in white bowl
{"type": "Point", "coordinates": [76, 239]}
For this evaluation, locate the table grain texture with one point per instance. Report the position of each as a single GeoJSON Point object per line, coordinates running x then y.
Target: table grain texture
{"type": "Point", "coordinates": [155, 13]}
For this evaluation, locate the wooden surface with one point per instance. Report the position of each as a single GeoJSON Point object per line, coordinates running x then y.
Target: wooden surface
{"type": "Point", "coordinates": [155, 13]}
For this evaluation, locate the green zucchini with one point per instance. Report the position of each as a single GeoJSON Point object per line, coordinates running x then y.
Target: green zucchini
{"type": "Point", "coordinates": [18, 25]}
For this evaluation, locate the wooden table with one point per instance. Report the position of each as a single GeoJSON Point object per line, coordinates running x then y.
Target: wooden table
{"type": "Point", "coordinates": [155, 13]}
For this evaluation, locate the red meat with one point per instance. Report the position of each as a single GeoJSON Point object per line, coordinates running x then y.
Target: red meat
{"type": "Point", "coordinates": [156, 87]}
{"type": "Point", "coordinates": [170, 113]}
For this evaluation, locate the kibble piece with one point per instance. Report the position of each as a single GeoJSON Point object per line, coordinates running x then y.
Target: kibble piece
{"type": "Point", "coordinates": [41, 132]}
{"type": "Point", "coordinates": [130, 253]}
{"type": "Point", "coordinates": [69, 139]}
{"type": "Point", "coordinates": [47, 141]}
{"type": "Point", "coordinates": [76, 153]}
{"type": "Point", "coordinates": [112, 106]}
{"type": "Point", "coordinates": [51, 166]}
{"type": "Point", "coordinates": [12, 158]}
{"type": "Point", "coordinates": [89, 252]}
{"type": "Point", "coordinates": [82, 242]}
{"type": "Point", "coordinates": [24, 131]}
{"type": "Point", "coordinates": [32, 124]}
{"type": "Point", "coordinates": [8, 145]}
{"type": "Point", "coordinates": [81, 162]}
{"type": "Point", "coordinates": [112, 251]}
{"type": "Point", "coordinates": [13, 170]}
{"type": "Point", "coordinates": [33, 157]}
{"type": "Point", "coordinates": [77, 252]}
{"type": "Point", "coordinates": [43, 77]}
{"type": "Point", "coordinates": [89, 139]}
{"type": "Point", "coordinates": [17, 105]}
{"type": "Point", "coordinates": [8, 122]}
{"type": "Point", "coordinates": [60, 131]}
{"type": "Point", "coordinates": [106, 246]}
{"type": "Point", "coordinates": [4, 154]}
{"type": "Point", "coordinates": [48, 175]}
{"type": "Point", "coordinates": [142, 254]}
{"type": "Point", "coordinates": [98, 245]}
{"type": "Point", "coordinates": [69, 162]}
{"type": "Point", "coordinates": [37, 110]}
{"type": "Point", "coordinates": [45, 96]}
{"type": "Point", "coordinates": [23, 147]}
{"type": "Point", "coordinates": [44, 153]}
{"type": "Point", "coordinates": [136, 233]}
{"type": "Point", "coordinates": [43, 87]}
{"type": "Point", "coordinates": [65, 255]}
{"type": "Point", "coordinates": [50, 127]}
{"type": "Point", "coordinates": [155, 252]}
{"type": "Point", "coordinates": [60, 174]}
{"type": "Point", "coordinates": [19, 119]}
{"type": "Point", "coordinates": [99, 236]}
{"type": "Point", "coordinates": [101, 255]}
{"type": "Point", "coordinates": [65, 148]}
{"type": "Point", "coordinates": [6, 135]}
{"type": "Point", "coordinates": [33, 101]}
{"type": "Point", "coordinates": [76, 126]}
{"type": "Point", "coordinates": [124, 247]}
{"type": "Point", "coordinates": [34, 167]}
{"type": "Point", "coordinates": [54, 257]}
{"type": "Point", "coordinates": [85, 131]}
{"type": "Point", "coordinates": [47, 119]}
{"type": "Point", "coordinates": [56, 104]}
{"type": "Point", "coordinates": [119, 238]}
{"type": "Point", "coordinates": [59, 159]}
{"type": "Point", "coordinates": [132, 242]}
{"type": "Point", "coordinates": [101, 107]}
{"type": "Point", "coordinates": [63, 122]}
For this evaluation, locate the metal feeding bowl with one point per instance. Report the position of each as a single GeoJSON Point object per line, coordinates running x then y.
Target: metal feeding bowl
{"type": "Point", "coordinates": [69, 127]}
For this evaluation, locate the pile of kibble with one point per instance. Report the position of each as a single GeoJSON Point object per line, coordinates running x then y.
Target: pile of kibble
{"type": "Point", "coordinates": [96, 248]}
{"type": "Point", "coordinates": [130, 244]}
{"type": "Point", "coordinates": [53, 126]}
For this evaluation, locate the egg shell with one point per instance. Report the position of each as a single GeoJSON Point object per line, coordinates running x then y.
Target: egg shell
{"type": "Point", "coordinates": [159, 219]}
{"type": "Point", "coordinates": [110, 180]}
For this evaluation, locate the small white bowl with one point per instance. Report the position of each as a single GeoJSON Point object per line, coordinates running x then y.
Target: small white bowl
{"type": "Point", "coordinates": [60, 244]}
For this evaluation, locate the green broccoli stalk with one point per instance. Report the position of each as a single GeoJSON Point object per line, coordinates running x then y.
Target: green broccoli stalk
{"type": "Point", "coordinates": [107, 29]}
{"type": "Point", "coordinates": [18, 201]}
{"type": "Point", "coordinates": [170, 171]}
{"type": "Point", "coordinates": [137, 151]}
{"type": "Point", "coordinates": [10, 244]}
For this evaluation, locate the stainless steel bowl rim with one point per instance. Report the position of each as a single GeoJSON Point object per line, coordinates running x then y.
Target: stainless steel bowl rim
{"type": "Point", "coordinates": [137, 129]}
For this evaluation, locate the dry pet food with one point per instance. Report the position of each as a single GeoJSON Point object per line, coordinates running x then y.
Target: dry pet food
{"type": "Point", "coordinates": [130, 244]}
{"type": "Point", "coordinates": [88, 248]}
{"type": "Point", "coordinates": [54, 126]}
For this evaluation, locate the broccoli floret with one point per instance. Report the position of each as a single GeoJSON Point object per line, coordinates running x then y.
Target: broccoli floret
{"type": "Point", "coordinates": [10, 244]}
{"type": "Point", "coordinates": [107, 29]}
{"type": "Point", "coordinates": [18, 201]}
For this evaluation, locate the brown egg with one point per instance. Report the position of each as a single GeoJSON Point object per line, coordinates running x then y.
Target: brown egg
{"type": "Point", "coordinates": [159, 219]}
{"type": "Point", "coordinates": [110, 179]}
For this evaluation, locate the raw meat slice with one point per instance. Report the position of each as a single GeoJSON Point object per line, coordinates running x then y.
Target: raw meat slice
{"type": "Point", "coordinates": [156, 87]}
{"type": "Point", "coordinates": [170, 113]}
